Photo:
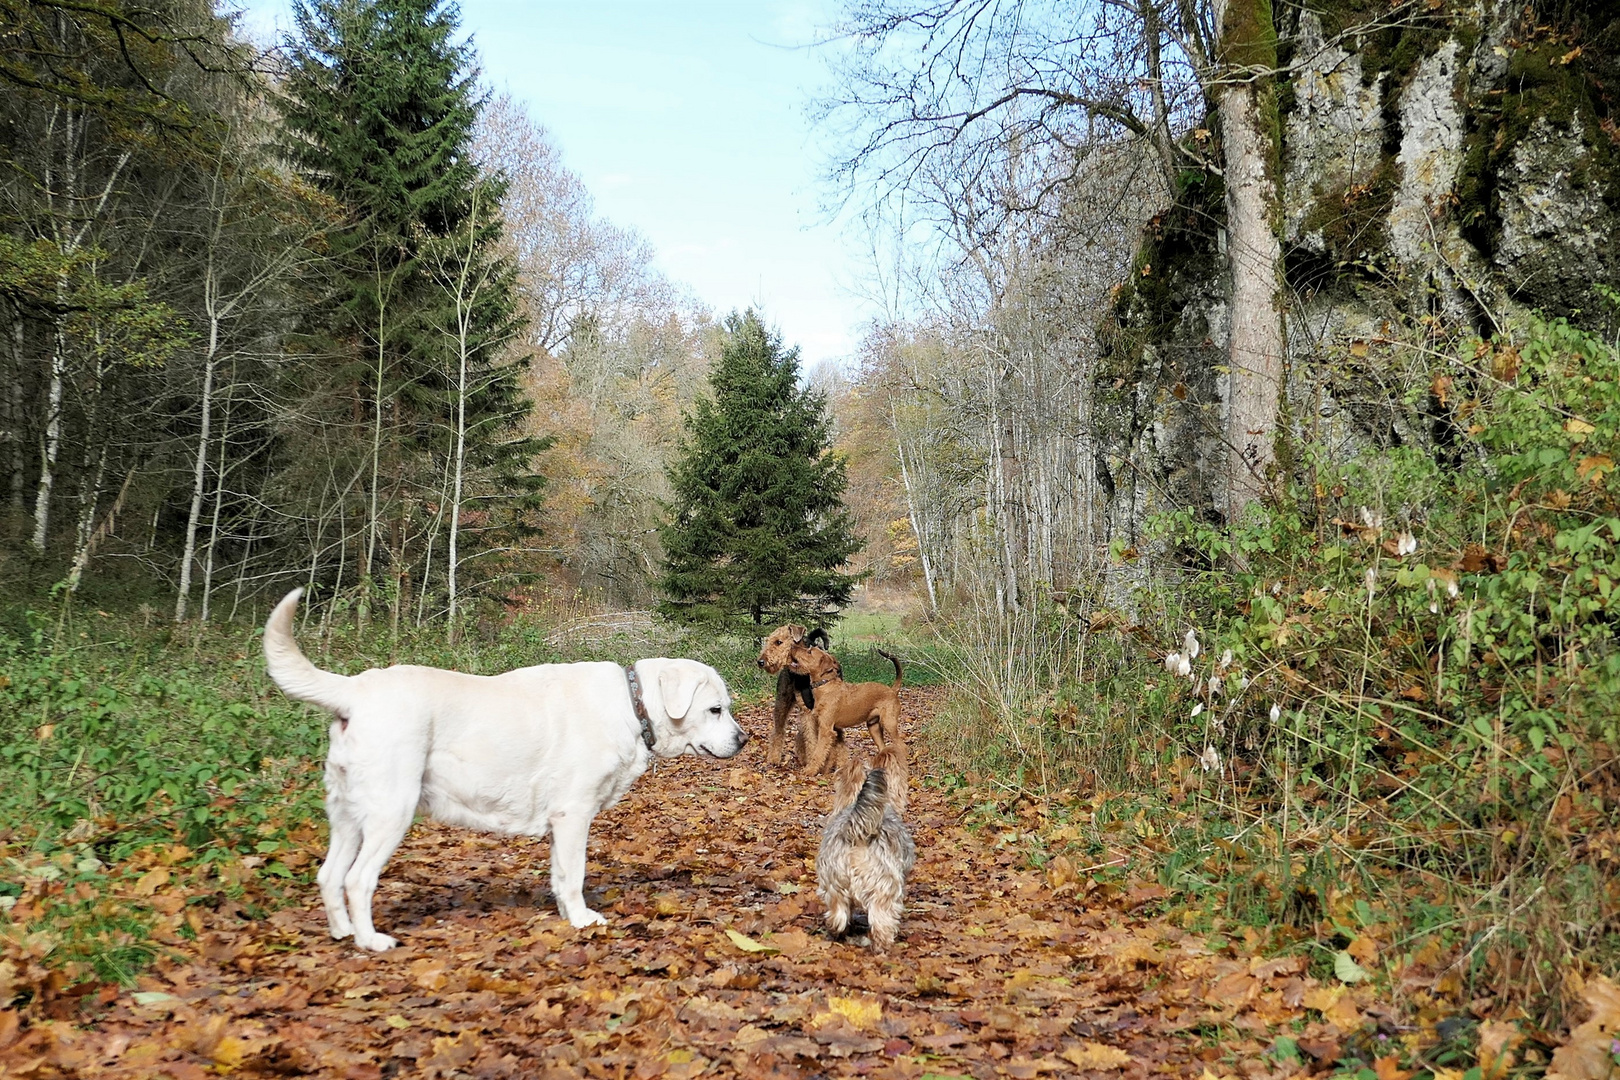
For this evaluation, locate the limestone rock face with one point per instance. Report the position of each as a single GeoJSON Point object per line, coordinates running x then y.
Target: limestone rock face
{"type": "Point", "coordinates": [1436, 177]}
{"type": "Point", "coordinates": [1556, 208]}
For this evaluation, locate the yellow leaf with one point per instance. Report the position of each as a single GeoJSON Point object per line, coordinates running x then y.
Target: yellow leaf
{"type": "Point", "coordinates": [1497, 1041]}
{"type": "Point", "coordinates": [862, 1012]}
{"type": "Point", "coordinates": [230, 1052]}
{"type": "Point", "coordinates": [1594, 467]}
{"type": "Point", "coordinates": [1323, 998]}
{"type": "Point", "coordinates": [1345, 1013]}
{"type": "Point", "coordinates": [151, 881]}
{"type": "Point", "coordinates": [1090, 1055]}
{"type": "Point", "coordinates": [679, 1057]}
{"type": "Point", "coordinates": [398, 1022]}
{"type": "Point", "coordinates": [1060, 871]}
{"type": "Point", "coordinates": [1576, 426]}
{"type": "Point", "coordinates": [748, 944]}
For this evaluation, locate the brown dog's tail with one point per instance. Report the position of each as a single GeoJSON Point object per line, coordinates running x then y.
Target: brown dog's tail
{"type": "Point", "coordinates": [291, 669]}
{"type": "Point", "coordinates": [865, 817]}
{"type": "Point", "coordinates": [899, 672]}
{"type": "Point", "coordinates": [892, 761]}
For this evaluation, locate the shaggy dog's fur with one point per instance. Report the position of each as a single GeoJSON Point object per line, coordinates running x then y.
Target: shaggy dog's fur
{"type": "Point", "coordinates": [866, 851]}
{"type": "Point", "coordinates": [537, 750]}
{"type": "Point", "coordinates": [841, 704]}
{"type": "Point", "coordinates": [791, 687]}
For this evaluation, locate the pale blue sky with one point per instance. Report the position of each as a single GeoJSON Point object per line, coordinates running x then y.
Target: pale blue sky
{"type": "Point", "coordinates": [687, 121]}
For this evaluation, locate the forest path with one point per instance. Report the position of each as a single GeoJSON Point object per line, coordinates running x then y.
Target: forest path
{"type": "Point", "coordinates": [996, 973]}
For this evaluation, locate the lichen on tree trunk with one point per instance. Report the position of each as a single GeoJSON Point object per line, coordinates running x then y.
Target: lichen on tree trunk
{"type": "Point", "coordinates": [1245, 94]}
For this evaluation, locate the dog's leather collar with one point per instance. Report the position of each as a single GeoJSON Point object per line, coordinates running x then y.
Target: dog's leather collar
{"type": "Point", "coordinates": [634, 680]}
{"type": "Point", "coordinates": [824, 682]}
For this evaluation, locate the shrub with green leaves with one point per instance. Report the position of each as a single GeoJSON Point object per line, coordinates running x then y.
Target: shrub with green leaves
{"type": "Point", "coordinates": [1421, 688]}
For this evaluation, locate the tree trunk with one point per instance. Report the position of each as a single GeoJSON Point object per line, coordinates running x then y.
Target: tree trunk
{"type": "Point", "coordinates": [453, 555]}
{"type": "Point", "coordinates": [16, 428]}
{"type": "Point", "coordinates": [219, 497]}
{"type": "Point", "coordinates": [53, 433]}
{"type": "Point", "coordinates": [199, 475]}
{"type": "Point", "coordinates": [1247, 100]}
{"type": "Point", "coordinates": [81, 558]}
{"type": "Point", "coordinates": [911, 511]}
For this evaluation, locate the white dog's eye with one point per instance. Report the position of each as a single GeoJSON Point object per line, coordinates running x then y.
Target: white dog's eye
{"type": "Point", "coordinates": [716, 710]}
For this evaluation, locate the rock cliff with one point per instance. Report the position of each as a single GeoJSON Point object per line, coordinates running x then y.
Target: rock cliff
{"type": "Point", "coordinates": [1444, 167]}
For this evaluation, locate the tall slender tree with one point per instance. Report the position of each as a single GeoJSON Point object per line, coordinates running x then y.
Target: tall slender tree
{"type": "Point", "coordinates": [757, 528]}
{"type": "Point", "coordinates": [381, 104]}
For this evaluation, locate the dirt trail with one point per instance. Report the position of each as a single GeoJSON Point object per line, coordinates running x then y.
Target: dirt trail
{"type": "Point", "coordinates": [713, 963]}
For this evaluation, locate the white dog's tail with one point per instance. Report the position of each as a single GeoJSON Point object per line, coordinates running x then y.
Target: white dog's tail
{"type": "Point", "coordinates": [291, 669]}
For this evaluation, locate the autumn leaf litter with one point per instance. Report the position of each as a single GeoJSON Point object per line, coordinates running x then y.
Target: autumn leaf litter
{"type": "Point", "coordinates": [713, 963]}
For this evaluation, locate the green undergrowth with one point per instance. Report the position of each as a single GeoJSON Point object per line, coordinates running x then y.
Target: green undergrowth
{"type": "Point", "coordinates": [117, 745]}
{"type": "Point", "coordinates": [1401, 721]}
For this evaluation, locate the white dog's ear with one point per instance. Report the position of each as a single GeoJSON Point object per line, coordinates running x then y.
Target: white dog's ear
{"type": "Point", "coordinates": [678, 688]}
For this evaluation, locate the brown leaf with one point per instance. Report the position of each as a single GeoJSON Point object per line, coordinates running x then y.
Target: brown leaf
{"type": "Point", "coordinates": [451, 1053]}
{"type": "Point", "coordinates": [1594, 467]}
{"type": "Point", "coordinates": [1388, 1067]}
{"type": "Point", "coordinates": [1090, 1055]}
{"type": "Point", "coordinates": [1588, 1055]}
{"type": "Point", "coordinates": [1497, 1042]}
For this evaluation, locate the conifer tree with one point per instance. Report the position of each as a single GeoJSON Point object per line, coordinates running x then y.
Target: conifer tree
{"type": "Point", "coordinates": [380, 105]}
{"type": "Point", "coordinates": [757, 528]}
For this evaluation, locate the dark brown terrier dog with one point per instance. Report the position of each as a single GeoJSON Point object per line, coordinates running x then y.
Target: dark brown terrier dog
{"type": "Point", "coordinates": [791, 687]}
{"type": "Point", "coordinates": [840, 704]}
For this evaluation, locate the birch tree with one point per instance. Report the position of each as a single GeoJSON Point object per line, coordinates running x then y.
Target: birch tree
{"type": "Point", "coordinates": [252, 234]}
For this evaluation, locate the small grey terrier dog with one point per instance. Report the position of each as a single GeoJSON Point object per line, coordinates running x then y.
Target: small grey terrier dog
{"type": "Point", "coordinates": [866, 851]}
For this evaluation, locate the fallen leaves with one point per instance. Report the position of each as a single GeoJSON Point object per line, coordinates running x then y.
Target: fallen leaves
{"type": "Point", "coordinates": [713, 962]}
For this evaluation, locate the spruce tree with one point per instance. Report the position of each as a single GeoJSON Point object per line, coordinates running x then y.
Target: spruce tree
{"type": "Point", "coordinates": [380, 105]}
{"type": "Point", "coordinates": [757, 528]}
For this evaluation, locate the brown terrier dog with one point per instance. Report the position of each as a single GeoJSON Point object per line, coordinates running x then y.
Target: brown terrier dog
{"type": "Point", "coordinates": [840, 705]}
{"type": "Point", "coordinates": [791, 687]}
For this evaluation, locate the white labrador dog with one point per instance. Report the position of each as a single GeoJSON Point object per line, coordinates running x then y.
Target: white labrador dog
{"type": "Point", "coordinates": [536, 750]}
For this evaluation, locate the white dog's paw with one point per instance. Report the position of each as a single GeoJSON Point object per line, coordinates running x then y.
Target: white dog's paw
{"type": "Point", "coordinates": [587, 917]}
{"type": "Point", "coordinates": [339, 929]}
{"type": "Point", "coordinates": [376, 942]}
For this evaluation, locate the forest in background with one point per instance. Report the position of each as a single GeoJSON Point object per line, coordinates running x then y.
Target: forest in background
{"type": "Point", "coordinates": [236, 360]}
{"type": "Point", "coordinates": [1360, 687]}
